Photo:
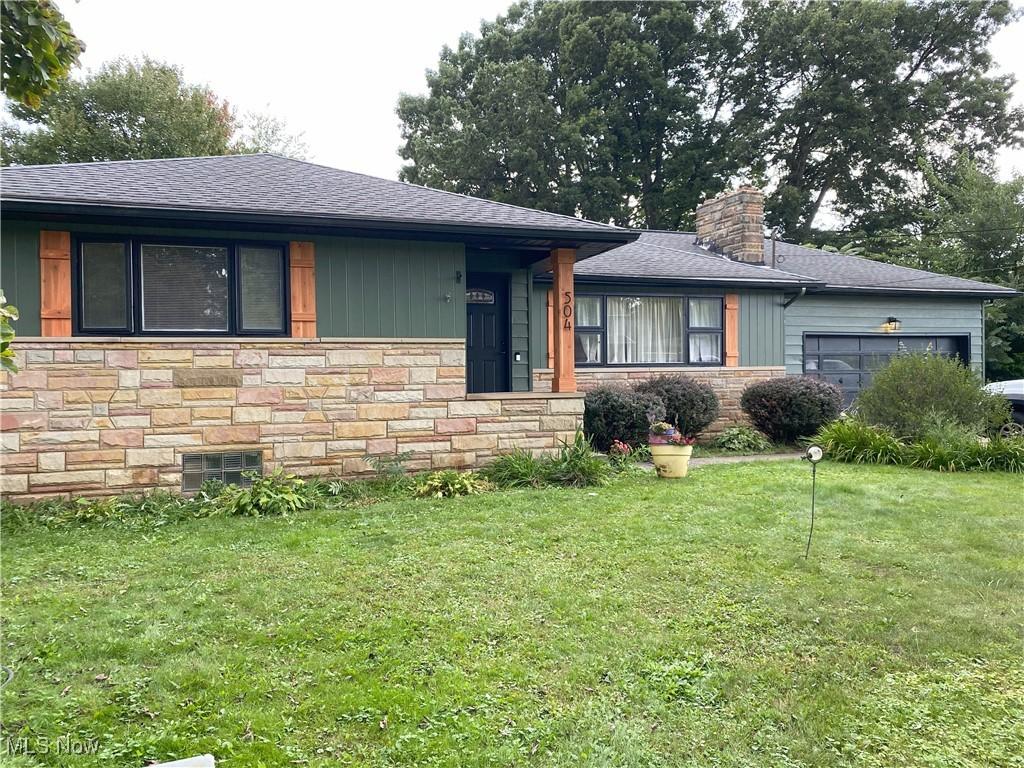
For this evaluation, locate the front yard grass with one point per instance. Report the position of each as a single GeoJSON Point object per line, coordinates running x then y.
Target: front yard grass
{"type": "Point", "coordinates": [645, 623]}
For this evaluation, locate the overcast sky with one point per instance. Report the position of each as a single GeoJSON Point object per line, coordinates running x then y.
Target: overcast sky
{"type": "Point", "coordinates": [333, 70]}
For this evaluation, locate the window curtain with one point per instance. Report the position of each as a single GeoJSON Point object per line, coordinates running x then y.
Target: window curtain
{"type": "Point", "coordinates": [705, 347]}
{"type": "Point", "coordinates": [588, 311]}
{"type": "Point", "coordinates": [645, 329]}
{"type": "Point", "coordinates": [705, 313]}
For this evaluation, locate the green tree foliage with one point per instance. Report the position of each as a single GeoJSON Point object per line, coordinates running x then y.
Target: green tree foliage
{"type": "Point", "coordinates": [8, 314]}
{"type": "Point", "coordinates": [37, 48]}
{"type": "Point", "coordinates": [968, 223]}
{"type": "Point", "coordinates": [844, 98]}
{"type": "Point", "coordinates": [633, 112]}
{"type": "Point", "coordinates": [136, 110]}
{"type": "Point", "coordinates": [616, 111]}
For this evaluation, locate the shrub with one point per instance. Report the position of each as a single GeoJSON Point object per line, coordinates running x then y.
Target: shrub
{"type": "Point", "coordinates": [690, 405]}
{"type": "Point", "coordinates": [944, 447]}
{"type": "Point", "coordinates": [272, 495]}
{"type": "Point", "coordinates": [576, 465]}
{"type": "Point", "coordinates": [519, 469]}
{"type": "Point", "coordinates": [448, 483]}
{"type": "Point", "coordinates": [914, 390]}
{"type": "Point", "coordinates": [1007, 454]}
{"type": "Point", "coordinates": [742, 440]}
{"type": "Point", "coordinates": [854, 442]}
{"type": "Point", "coordinates": [619, 413]}
{"type": "Point", "coordinates": [791, 407]}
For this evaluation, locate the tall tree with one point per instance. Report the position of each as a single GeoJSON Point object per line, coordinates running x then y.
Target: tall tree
{"type": "Point", "coordinates": [599, 109]}
{"type": "Point", "coordinates": [632, 112]}
{"type": "Point", "coordinates": [843, 99]}
{"type": "Point", "coordinates": [134, 110]}
{"type": "Point", "coordinates": [37, 50]}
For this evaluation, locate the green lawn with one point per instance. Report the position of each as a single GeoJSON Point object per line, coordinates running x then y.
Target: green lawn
{"type": "Point", "coordinates": [647, 623]}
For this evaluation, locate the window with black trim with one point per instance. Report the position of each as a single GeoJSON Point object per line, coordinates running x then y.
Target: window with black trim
{"type": "Point", "coordinates": [704, 331]}
{"type": "Point", "coordinates": [648, 330]}
{"type": "Point", "coordinates": [155, 286]}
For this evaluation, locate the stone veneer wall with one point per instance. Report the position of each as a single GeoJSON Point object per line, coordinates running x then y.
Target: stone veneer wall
{"type": "Point", "coordinates": [728, 384]}
{"type": "Point", "coordinates": [104, 416]}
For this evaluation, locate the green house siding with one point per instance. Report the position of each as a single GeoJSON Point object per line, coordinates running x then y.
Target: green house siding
{"type": "Point", "coordinates": [825, 314]}
{"type": "Point", "coordinates": [760, 321]}
{"type": "Point", "coordinates": [19, 273]}
{"type": "Point", "coordinates": [365, 287]}
{"type": "Point", "coordinates": [389, 288]}
{"type": "Point", "coordinates": [761, 328]}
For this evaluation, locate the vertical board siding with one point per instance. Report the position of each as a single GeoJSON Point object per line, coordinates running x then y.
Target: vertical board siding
{"type": "Point", "coordinates": [390, 288]}
{"type": "Point", "coordinates": [761, 328]}
{"type": "Point", "coordinates": [19, 274]}
{"type": "Point", "coordinates": [519, 298]}
{"type": "Point", "coordinates": [539, 325]}
{"type": "Point", "coordinates": [824, 314]}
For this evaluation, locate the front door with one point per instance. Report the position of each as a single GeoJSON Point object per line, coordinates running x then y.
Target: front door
{"type": "Point", "coordinates": [487, 323]}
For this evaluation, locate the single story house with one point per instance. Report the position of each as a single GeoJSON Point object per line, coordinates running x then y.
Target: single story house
{"type": "Point", "coordinates": [188, 319]}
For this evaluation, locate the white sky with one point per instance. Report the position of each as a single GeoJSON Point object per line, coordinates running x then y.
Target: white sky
{"type": "Point", "coordinates": [333, 70]}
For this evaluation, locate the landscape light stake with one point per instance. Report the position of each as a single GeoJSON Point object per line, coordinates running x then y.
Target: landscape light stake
{"type": "Point", "coordinates": [814, 454]}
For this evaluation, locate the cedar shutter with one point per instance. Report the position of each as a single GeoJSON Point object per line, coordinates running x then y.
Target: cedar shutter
{"type": "Point", "coordinates": [732, 330]}
{"type": "Point", "coordinates": [301, 258]}
{"type": "Point", "coordinates": [55, 283]}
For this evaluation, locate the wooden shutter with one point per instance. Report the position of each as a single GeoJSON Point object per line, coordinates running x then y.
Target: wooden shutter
{"type": "Point", "coordinates": [732, 330]}
{"type": "Point", "coordinates": [55, 283]}
{"type": "Point", "coordinates": [302, 272]}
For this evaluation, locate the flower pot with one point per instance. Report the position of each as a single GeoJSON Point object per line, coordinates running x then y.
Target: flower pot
{"type": "Point", "coordinates": [671, 460]}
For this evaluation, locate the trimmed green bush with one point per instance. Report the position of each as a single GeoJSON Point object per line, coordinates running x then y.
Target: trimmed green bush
{"type": "Point", "coordinates": [742, 439]}
{"type": "Point", "coordinates": [791, 407]}
{"type": "Point", "coordinates": [914, 390]}
{"type": "Point", "coordinates": [690, 405]}
{"type": "Point", "coordinates": [620, 413]}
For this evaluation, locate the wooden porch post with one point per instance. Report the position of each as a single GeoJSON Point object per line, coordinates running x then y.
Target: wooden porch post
{"type": "Point", "coordinates": [562, 260]}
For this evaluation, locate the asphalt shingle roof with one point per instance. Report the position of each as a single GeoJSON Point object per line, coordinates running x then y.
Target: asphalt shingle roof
{"type": "Point", "coordinates": [677, 256]}
{"type": "Point", "coordinates": [839, 271]}
{"type": "Point", "coordinates": [273, 185]}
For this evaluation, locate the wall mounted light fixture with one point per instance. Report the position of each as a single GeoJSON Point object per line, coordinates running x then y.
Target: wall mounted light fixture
{"type": "Point", "coordinates": [891, 324]}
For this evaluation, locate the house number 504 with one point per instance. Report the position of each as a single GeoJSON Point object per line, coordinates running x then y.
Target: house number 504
{"type": "Point", "coordinates": [567, 309]}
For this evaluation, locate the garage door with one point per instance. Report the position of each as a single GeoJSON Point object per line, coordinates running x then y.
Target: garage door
{"type": "Point", "coordinates": [850, 361]}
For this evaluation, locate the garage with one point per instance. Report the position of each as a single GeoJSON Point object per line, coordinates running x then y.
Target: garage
{"type": "Point", "coordinates": [849, 360]}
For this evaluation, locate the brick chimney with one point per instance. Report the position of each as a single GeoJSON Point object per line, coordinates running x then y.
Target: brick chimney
{"type": "Point", "coordinates": [733, 223]}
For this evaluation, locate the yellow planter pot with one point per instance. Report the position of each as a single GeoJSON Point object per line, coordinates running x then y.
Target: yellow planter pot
{"type": "Point", "coordinates": [671, 460]}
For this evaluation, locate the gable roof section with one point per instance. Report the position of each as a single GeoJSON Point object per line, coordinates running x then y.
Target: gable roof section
{"type": "Point", "coordinates": [676, 257]}
{"type": "Point", "coordinates": [840, 271]}
{"type": "Point", "coordinates": [271, 185]}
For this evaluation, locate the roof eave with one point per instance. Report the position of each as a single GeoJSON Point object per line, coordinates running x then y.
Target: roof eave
{"type": "Point", "coordinates": [612, 237]}
{"type": "Point", "coordinates": [979, 293]}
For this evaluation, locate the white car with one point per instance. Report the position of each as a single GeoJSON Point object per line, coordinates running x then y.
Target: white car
{"type": "Point", "coordinates": [1012, 391]}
